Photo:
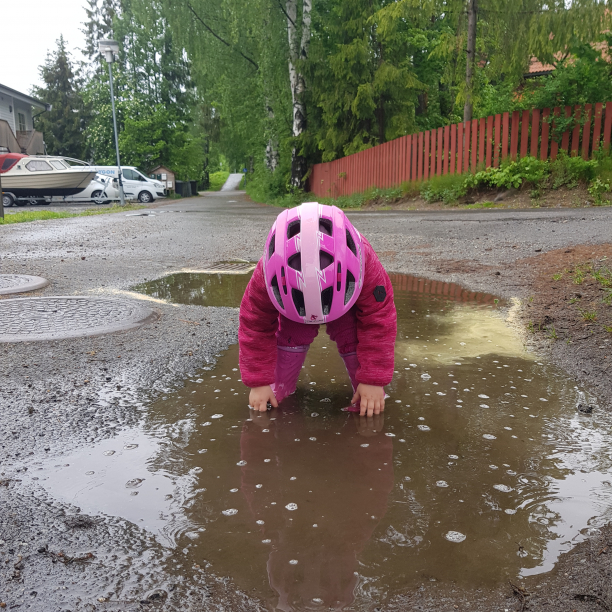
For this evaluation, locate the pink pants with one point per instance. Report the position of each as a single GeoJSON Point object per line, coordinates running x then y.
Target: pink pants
{"type": "Point", "coordinates": [293, 341]}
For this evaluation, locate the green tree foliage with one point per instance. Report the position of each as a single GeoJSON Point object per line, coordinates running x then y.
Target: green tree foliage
{"type": "Point", "coordinates": [154, 97]}
{"type": "Point", "coordinates": [63, 127]}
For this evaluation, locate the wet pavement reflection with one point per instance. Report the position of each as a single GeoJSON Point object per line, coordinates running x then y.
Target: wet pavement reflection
{"type": "Point", "coordinates": [481, 469]}
{"type": "Point", "coordinates": [201, 289]}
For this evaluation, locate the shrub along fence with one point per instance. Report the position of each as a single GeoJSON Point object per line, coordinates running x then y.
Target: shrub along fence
{"type": "Point", "coordinates": [467, 147]}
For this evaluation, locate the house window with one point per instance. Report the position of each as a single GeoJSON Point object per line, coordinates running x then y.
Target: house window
{"type": "Point", "coordinates": [22, 123]}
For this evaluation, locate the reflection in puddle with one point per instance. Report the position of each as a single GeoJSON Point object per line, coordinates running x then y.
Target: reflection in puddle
{"type": "Point", "coordinates": [480, 469]}
{"type": "Point", "coordinates": [202, 289]}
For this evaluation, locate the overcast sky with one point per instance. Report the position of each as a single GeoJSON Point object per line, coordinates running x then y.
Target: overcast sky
{"type": "Point", "coordinates": [29, 30]}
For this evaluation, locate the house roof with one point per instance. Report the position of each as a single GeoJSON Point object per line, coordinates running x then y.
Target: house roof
{"type": "Point", "coordinates": [161, 168]}
{"type": "Point", "coordinates": [21, 96]}
{"type": "Point", "coordinates": [537, 68]}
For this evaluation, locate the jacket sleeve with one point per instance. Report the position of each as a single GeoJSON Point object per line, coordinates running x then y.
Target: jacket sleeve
{"type": "Point", "coordinates": [376, 323]}
{"type": "Point", "coordinates": [257, 333]}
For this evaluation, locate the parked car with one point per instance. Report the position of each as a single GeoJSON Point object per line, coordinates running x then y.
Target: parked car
{"type": "Point", "coordinates": [136, 186]}
{"type": "Point", "coordinates": [100, 191]}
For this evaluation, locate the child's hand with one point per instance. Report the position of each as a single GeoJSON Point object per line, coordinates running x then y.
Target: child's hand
{"type": "Point", "coordinates": [260, 396]}
{"type": "Point", "coordinates": [372, 399]}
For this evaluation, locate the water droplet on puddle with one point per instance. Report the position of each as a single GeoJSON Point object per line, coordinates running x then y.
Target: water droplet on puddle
{"type": "Point", "coordinates": [233, 490]}
{"type": "Point", "coordinates": [364, 445]}
{"type": "Point", "coordinates": [453, 456]}
{"type": "Point", "coordinates": [202, 451]}
{"type": "Point", "coordinates": [442, 483]}
{"type": "Point", "coordinates": [314, 414]}
{"type": "Point", "coordinates": [230, 512]}
{"type": "Point", "coordinates": [510, 511]}
{"type": "Point", "coordinates": [291, 506]}
{"type": "Point", "coordinates": [454, 536]}
{"type": "Point", "coordinates": [424, 427]}
{"type": "Point", "coordinates": [489, 437]}
{"type": "Point", "coordinates": [108, 453]}
{"type": "Point", "coordinates": [260, 522]}
{"type": "Point", "coordinates": [483, 396]}
{"type": "Point", "coordinates": [390, 435]}
{"type": "Point", "coordinates": [293, 562]}
{"type": "Point", "coordinates": [425, 376]}
{"type": "Point", "coordinates": [130, 446]}
{"type": "Point", "coordinates": [242, 462]}
{"type": "Point", "coordinates": [89, 473]}
{"type": "Point", "coordinates": [216, 416]}
{"type": "Point", "coordinates": [503, 488]}
{"type": "Point", "coordinates": [266, 541]}
{"type": "Point", "coordinates": [134, 483]}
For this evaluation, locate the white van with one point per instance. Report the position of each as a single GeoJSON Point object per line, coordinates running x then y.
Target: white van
{"type": "Point", "coordinates": [136, 186]}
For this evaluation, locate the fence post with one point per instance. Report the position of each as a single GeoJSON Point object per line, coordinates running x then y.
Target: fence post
{"type": "Point", "coordinates": [497, 141]}
{"type": "Point", "coordinates": [474, 144]}
{"type": "Point", "coordinates": [505, 135]}
{"type": "Point", "coordinates": [453, 147]}
{"type": "Point", "coordinates": [535, 132]}
{"type": "Point", "coordinates": [586, 131]}
{"type": "Point", "coordinates": [489, 153]}
{"type": "Point", "coordinates": [514, 135]}
{"type": "Point", "coordinates": [576, 131]}
{"type": "Point", "coordinates": [525, 133]}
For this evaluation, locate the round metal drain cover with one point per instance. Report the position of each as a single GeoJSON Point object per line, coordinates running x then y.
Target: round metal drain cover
{"type": "Point", "coordinates": [20, 283]}
{"type": "Point", "coordinates": [56, 318]}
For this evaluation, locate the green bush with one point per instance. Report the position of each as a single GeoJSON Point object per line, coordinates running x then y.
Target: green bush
{"type": "Point", "coordinates": [527, 170]}
{"type": "Point", "coordinates": [568, 171]}
{"type": "Point", "coordinates": [217, 180]}
{"type": "Point", "coordinates": [448, 188]}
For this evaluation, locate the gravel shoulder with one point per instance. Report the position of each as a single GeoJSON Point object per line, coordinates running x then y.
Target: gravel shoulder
{"type": "Point", "coordinates": [61, 394]}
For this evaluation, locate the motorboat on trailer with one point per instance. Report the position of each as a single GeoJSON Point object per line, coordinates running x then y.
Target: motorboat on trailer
{"type": "Point", "coordinates": [39, 177]}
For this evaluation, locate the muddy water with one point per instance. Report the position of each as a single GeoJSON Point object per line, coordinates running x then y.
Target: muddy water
{"type": "Point", "coordinates": [201, 289]}
{"type": "Point", "coordinates": [481, 469]}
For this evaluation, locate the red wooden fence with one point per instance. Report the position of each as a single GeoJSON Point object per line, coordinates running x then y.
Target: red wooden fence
{"type": "Point", "coordinates": [465, 147]}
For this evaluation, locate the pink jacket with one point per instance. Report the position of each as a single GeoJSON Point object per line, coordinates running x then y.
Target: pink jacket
{"type": "Point", "coordinates": [376, 323]}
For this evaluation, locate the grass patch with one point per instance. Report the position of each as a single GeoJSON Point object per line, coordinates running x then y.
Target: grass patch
{"type": "Point", "coordinates": [217, 180]}
{"type": "Point", "coordinates": [42, 215]}
{"type": "Point", "coordinates": [484, 205]}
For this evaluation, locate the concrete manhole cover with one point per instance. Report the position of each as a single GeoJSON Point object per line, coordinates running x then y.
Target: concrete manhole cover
{"type": "Point", "coordinates": [20, 283]}
{"type": "Point", "coordinates": [55, 318]}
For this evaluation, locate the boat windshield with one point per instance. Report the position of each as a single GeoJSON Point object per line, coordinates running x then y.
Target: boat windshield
{"type": "Point", "coordinates": [58, 165]}
{"type": "Point", "coordinates": [7, 164]}
{"type": "Point", "coordinates": [38, 165]}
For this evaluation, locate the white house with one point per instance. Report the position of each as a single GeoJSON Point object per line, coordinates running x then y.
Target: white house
{"type": "Point", "coordinates": [17, 133]}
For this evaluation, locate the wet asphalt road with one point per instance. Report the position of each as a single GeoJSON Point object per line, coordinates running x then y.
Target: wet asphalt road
{"type": "Point", "coordinates": [58, 395]}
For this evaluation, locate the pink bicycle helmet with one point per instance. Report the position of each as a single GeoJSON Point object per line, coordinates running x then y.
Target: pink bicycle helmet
{"type": "Point", "coordinates": [313, 263]}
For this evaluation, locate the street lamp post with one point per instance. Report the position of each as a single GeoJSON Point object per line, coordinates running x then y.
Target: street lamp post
{"type": "Point", "coordinates": [108, 49]}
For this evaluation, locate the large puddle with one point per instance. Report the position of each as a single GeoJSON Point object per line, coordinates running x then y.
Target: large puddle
{"type": "Point", "coordinates": [481, 469]}
{"type": "Point", "coordinates": [201, 289]}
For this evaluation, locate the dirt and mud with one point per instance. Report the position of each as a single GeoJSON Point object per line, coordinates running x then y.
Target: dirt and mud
{"type": "Point", "coordinates": [61, 397]}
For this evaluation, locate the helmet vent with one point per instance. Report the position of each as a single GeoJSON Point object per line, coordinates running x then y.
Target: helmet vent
{"type": "Point", "coordinates": [350, 243]}
{"type": "Point", "coordinates": [327, 295]}
{"type": "Point", "coordinates": [298, 302]}
{"type": "Point", "coordinates": [295, 262]}
{"type": "Point", "coordinates": [350, 287]}
{"type": "Point", "coordinates": [276, 291]}
{"type": "Point", "coordinates": [325, 259]}
{"type": "Point", "coordinates": [272, 246]}
{"type": "Point", "coordinates": [293, 229]}
{"type": "Point", "coordinates": [326, 226]}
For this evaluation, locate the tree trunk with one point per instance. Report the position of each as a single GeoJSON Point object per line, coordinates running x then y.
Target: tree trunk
{"type": "Point", "coordinates": [298, 51]}
{"type": "Point", "coordinates": [471, 59]}
{"type": "Point", "coordinates": [272, 154]}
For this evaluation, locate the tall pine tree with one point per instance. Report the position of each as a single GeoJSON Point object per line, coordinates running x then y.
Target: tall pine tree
{"type": "Point", "coordinates": [64, 126]}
